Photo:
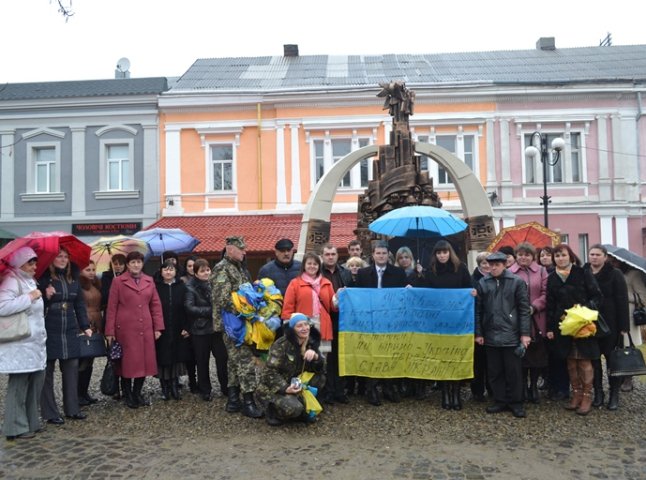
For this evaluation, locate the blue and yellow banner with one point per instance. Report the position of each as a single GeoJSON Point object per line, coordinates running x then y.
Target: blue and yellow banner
{"type": "Point", "coordinates": [406, 332]}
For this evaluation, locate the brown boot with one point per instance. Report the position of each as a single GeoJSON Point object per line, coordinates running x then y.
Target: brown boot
{"type": "Point", "coordinates": [587, 375]}
{"type": "Point", "coordinates": [586, 402]}
{"type": "Point", "coordinates": [577, 396]}
{"type": "Point", "coordinates": [575, 382]}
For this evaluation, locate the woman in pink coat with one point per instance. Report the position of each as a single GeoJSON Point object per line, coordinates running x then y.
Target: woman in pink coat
{"type": "Point", "coordinates": [135, 320]}
{"type": "Point", "coordinates": [535, 277]}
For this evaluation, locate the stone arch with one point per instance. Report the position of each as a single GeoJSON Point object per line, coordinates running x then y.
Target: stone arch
{"type": "Point", "coordinates": [473, 198]}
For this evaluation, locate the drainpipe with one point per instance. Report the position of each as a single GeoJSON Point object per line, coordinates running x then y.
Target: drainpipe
{"type": "Point", "coordinates": [640, 114]}
{"type": "Point", "coordinates": [259, 154]}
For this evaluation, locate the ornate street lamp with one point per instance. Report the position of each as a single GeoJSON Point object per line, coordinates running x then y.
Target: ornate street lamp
{"type": "Point", "coordinates": [538, 146]}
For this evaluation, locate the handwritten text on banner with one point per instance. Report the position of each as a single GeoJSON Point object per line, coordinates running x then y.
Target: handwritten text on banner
{"type": "Point", "coordinates": [406, 332]}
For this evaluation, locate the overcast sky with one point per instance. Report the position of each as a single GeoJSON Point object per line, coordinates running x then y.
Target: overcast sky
{"type": "Point", "coordinates": [164, 37]}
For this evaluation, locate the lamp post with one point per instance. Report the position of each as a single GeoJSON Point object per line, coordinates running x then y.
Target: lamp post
{"type": "Point", "coordinates": [539, 140]}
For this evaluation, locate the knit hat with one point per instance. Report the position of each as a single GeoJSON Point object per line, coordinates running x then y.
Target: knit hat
{"type": "Point", "coordinates": [21, 256]}
{"type": "Point", "coordinates": [297, 317]}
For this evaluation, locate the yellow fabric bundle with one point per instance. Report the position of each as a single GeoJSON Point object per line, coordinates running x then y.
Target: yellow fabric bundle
{"type": "Point", "coordinates": [261, 335]}
{"type": "Point", "coordinates": [312, 405]}
{"type": "Point", "coordinates": [576, 320]}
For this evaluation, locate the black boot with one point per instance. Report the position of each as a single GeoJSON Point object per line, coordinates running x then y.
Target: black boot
{"type": "Point", "coordinates": [372, 394]}
{"type": "Point", "coordinates": [613, 402]}
{"type": "Point", "coordinates": [249, 409]}
{"type": "Point", "coordinates": [597, 383]}
{"type": "Point", "coordinates": [174, 388]}
{"type": "Point", "coordinates": [136, 392]}
{"type": "Point", "coordinates": [233, 400]}
{"type": "Point", "coordinates": [165, 387]}
{"type": "Point", "coordinates": [126, 390]}
{"type": "Point", "coordinates": [83, 385]}
{"type": "Point", "coordinates": [271, 416]}
{"type": "Point", "coordinates": [420, 389]}
{"type": "Point", "coordinates": [446, 396]}
{"type": "Point", "coordinates": [615, 387]}
{"type": "Point", "coordinates": [534, 395]}
{"type": "Point", "coordinates": [456, 399]}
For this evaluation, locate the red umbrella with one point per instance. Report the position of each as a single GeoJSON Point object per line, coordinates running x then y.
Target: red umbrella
{"type": "Point", "coordinates": [531, 232]}
{"type": "Point", "coordinates": [47, 245]}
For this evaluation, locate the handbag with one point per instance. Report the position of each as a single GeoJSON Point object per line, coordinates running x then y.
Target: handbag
{"type": "Point", "coordinates": [626, 361]}
{"type": "Point", "coordinates": [109, 380]}
{"type": "Point", "coordinates": [15, 327]}
{"type": "Point", "coordinates": [639, 313]}
{"type": "Point", "coordinates": [93, 346]}
{"type": "Point", "coordinates": [115, 352]}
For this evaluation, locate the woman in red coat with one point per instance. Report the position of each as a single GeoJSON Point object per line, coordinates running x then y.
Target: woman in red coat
{"type": "Point", "coordinates": [311, 294]}
{"type": "Point", "coordinates": [135, 320]}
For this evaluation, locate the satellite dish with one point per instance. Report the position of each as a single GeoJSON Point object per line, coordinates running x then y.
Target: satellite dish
{"type": "Point", "coordinates": [123, 65]}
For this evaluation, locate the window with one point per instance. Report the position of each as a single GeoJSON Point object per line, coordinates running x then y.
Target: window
{"type": "Point", "coordinates": [462, 146]}
{"type": "Point", "coordinates": [583, 246]}
{"type": "Point", "coordinates": [556, 173]}
{"type": "Point", "coordinates": [327, 155]}
{"type": "Point", "coordinates": [118, 167]}
{"type": "Point", "coordinates": [448, 142]}
{"type": "Point", "coordinates": [364, 165]}
{"type": "Point", "coordinates": [45, 170]}
{"type": "Point", "coordinates": [222, 167]}
{"type": "Point", "coordinates": [43, 176]}
{"type": "Point", "coordinates": [117, 174]}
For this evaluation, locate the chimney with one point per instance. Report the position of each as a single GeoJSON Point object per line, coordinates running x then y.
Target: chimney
{"type": "Point", "coordinates": [546, 43]}
{"type": "Point", "coordinates": [290, 50]}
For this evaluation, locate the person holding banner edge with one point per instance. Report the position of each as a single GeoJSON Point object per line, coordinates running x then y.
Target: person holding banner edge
{"type": "Point", "coordinates": [503, 327]}
{"type": "Point", "coordinates": [447, 271]}
{"type": "Point", "coordinates": [381, 275]}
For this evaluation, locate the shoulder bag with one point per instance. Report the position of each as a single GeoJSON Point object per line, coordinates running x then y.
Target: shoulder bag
{"type": "Point", "coordinates": [603, 330]}
{"type": "Point", "coordinates": [626, 361]}
{"type": "Point", "coordinates": [639, 313]}
{"type": "Point", "coordinates": [15, 327]}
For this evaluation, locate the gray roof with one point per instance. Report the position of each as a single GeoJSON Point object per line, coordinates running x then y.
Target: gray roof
{"type": "Point", "coordinates": [565, 65]}
{"type": "Point", "coordinates": [83, 88]}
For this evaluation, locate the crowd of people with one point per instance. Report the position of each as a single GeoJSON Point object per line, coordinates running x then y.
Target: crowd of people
{"type": "Point", "coordinates": [170, 324]}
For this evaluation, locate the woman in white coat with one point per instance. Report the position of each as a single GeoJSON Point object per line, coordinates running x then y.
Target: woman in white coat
{"type": "Point", "coordinates": [24, 360]}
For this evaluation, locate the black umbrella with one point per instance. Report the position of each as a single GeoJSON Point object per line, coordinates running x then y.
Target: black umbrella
{"type": "Point", "coordinates": [627, 257]}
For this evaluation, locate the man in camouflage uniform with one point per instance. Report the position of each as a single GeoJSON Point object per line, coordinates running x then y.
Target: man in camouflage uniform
{"type": "Point", "coordinates": [226, 278]}
{"type": "Point", "coordinates": [287, 360]}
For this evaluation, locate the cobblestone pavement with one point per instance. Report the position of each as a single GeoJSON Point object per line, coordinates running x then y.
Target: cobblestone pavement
{"type": "Point", "coordinates": [191, 438]}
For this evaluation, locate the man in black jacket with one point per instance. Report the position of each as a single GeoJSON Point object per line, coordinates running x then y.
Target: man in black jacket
{"type": "Point", "coordinates": [503, 327]}
{"type": "Point", "coordinates": [381, 275]}
{"type": "Point", "coordinates": [283, 268]}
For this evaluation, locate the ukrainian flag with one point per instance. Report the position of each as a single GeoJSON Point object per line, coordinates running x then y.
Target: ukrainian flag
{"type": "Point", "coordinates": [406, 332]}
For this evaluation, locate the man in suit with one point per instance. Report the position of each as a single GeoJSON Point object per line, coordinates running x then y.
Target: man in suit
{"type": "Point", "coordinates": [381, 275]}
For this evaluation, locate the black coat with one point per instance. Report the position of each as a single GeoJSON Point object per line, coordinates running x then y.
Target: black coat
{"type": "Point", "coordinates": [393, 277]}
{"type": "Point", "coordinates": [581, 288]}
{"type": "Point", "coordinates": [171, 346]}
{"type": "Point", "coordinates": [446, 277]}
{"type": "Point", "coordinates": [614, 307]}
{"type": "Point", "coordinates": [502, 310]}
{"type": "Point", "coordinates": [199, 308]}
{"type": "Point", "coordinates": [65, 315]}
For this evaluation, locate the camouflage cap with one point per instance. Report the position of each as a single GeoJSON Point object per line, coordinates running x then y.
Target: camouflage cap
{"type": "Point", "coordinates": [236, 241]}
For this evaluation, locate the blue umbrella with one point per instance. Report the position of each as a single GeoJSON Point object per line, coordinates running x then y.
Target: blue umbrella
{"type": "Point", "coordinates": [163, 239]}
{"type": "Point", "coordinates": [418, 221]}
